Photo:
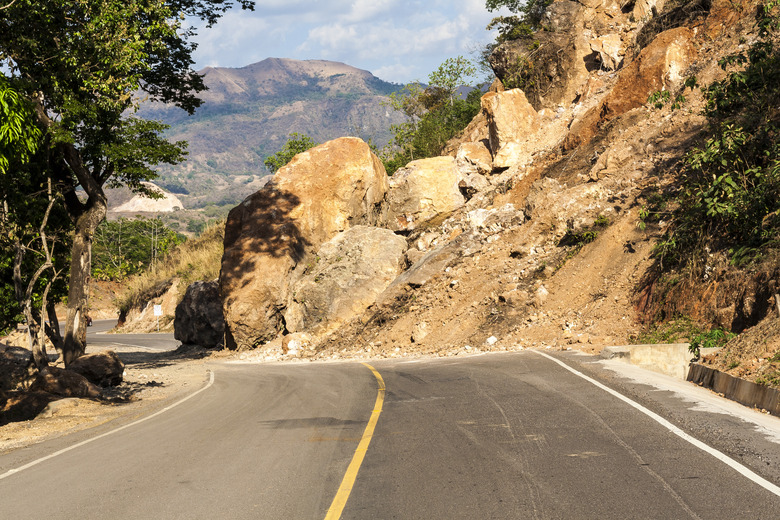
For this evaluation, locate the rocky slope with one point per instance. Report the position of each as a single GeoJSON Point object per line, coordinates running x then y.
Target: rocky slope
{"type": "Point", "coordinates": [545, 242]}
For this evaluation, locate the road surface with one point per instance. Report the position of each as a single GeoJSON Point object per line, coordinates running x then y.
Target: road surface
{"type": "Point", "coordinates": [515, 435]}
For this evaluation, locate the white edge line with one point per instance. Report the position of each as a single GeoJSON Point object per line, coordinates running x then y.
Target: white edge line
{"type": "Point", "coordinates": [743, 470]}
{"type": "Point", "coordinates": [106, 434]}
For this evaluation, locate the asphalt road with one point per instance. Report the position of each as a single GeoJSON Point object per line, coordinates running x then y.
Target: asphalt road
{"type": "Point", "coordinates": [495, 436]}
{"type": "Point", "coordinates": [98, 339]}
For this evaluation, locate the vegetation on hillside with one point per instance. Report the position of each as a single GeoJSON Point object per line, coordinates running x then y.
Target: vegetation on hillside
{"type": "Point", "coordinates": [526, 18]}
{"type": "Point", "coordinates": [730, 185]}
{"type": "Point", "coordinates": [434, 114]}
{"type": "Point", "coordinates": [126, 247]}
{"type": "Point", "coordinates": [296, 143]}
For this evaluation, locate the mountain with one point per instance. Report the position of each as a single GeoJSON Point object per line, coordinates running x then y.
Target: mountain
{"type": "Point", "coordinates": [248, 113]}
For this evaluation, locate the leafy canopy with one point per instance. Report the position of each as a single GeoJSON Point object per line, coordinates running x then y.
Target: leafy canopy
{"type": "Point", "coordinates": [526, 18]}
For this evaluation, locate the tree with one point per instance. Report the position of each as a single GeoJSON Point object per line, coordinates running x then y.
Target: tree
{"type": "Point", "coordinates": [434, 114]}
{"type": "Point", "coordinates": [85, 65]}
{"type": "Point", "coordinates": [28, 247]}
{"type": "Point", "coordinates": [526, 18]}
{"type": "Point", "coordinates": [451, 74]}
{"type": "Point", "coordinates": [296, 143]}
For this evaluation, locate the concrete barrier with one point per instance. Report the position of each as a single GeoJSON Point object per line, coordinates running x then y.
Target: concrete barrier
{"type": "Point", "coordinates": [736, 389]}
{"type": "Point", "coordinates": [671, 359]}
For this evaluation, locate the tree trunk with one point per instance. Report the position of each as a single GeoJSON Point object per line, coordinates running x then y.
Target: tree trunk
{"type": "Point", "coordinates": [80, 273]}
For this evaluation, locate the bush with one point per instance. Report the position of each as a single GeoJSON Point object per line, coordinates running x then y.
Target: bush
{"type": "Point", "coordinates": [730, 185]}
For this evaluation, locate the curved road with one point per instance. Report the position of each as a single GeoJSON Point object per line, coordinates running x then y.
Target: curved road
{"type": "Point", "coordinates": [496, 436]}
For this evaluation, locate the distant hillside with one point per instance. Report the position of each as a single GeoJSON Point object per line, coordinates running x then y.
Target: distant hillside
{"type": "Point", "coordinates": [249, 112]}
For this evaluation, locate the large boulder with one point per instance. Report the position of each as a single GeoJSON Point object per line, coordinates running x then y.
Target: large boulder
{"type": "Point", "coordinates": [423, 193]}
{"type": "Point", "coordinates": [320, 193]}
{"type": "Point", "coordinates": [511, 121]}
{"type": "Point", "coordinates": [67, 383]}
{"type": "Point", "coordinates": [351, 270]}
{"type": "Point", "coordinates": [199, 318]}
{"type": "Point", "coordinates": [101, 368]}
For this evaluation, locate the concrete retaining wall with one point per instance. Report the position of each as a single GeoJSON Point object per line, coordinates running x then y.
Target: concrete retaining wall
{"type": "Point", "coordinates": [671, 359]}
{"type": "Point", "coordinates": [736, 389]}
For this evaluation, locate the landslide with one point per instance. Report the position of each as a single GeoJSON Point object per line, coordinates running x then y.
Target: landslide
{"type": "Point", "coordinates": [583, 271]}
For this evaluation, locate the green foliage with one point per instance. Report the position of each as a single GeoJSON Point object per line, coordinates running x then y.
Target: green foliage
{"type": "Point", "coordinates": [526, 19]}
{"type": "Point", "coordinates": [296, 144]}
{"type": "Point", "coordinates": [433, 115]}
{"type": "Point", "coordinates": [683, 329]}
{"type": "Point", "coordinates": [126, 247]}
{"type": "Point", "coordinates": [19, 137]}
{"type": "Point", "coordinates": [731, 184]}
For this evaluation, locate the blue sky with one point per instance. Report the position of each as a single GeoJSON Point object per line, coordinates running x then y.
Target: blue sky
{"type": "Point", "coordinates": [397, 40]}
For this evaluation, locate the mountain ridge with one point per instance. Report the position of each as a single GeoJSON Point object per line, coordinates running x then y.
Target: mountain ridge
{"type": "Point", "coordinates": [249, 112]}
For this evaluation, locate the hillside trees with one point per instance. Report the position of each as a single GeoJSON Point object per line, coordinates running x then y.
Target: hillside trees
{"type": "Point", "coordinates": [126, 247]}
{"type": "Point", "coordinates": [434, 114]}
{"type": "Point", "coordinates": [82, 63]}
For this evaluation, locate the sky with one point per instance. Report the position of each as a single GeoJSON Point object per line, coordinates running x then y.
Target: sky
{"type": "Point", "coordinates": [396, 40]}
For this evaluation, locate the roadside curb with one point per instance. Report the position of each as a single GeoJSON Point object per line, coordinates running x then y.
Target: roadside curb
{"type": "Point", "coordinates": [739, 390]}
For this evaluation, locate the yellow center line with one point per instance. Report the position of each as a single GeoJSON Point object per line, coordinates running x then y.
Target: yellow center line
{"type": "Point", "coordinates": [340, 500]}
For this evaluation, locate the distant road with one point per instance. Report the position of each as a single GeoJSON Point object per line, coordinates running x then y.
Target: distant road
{"type": "Point", "coordinates": [98, 339]}
{"type": "Point", "coordinates": [496, 436]}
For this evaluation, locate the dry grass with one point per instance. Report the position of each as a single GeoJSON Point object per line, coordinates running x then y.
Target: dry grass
{"type": "Point", "coordinates": [197, 259]}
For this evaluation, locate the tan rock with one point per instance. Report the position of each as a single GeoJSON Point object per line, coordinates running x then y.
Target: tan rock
{"type": "Point", "coordinates": [352, 269]}
{"type": "Point", "coordinates": [511, 121]}
{"type": "Point", "coordinates": [423, 193]}
{"type": "Point", "coordinates": [320, 193]}
{"type": "Point", "coordinates": [474, 158]}
{"type": "Point", "coordinates": [645, 9]}
{"type": "Point", "coordinates": [610, 49]}
{"type": "Point", "coordinates": [660, 66]}
{"type": "Point", "coordinates": [101, 368]}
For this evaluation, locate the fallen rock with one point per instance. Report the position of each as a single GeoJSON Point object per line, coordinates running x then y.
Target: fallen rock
{"type": "Point", "coordinates": [101, 368]}
{"type": "Point", "coordinates": [67, 383]}
{"type": "Point", "coordinates": [511, 121]}
{"type": "Point", "coordinates": [610, 50]}
{"type": "Point", "coordinates": [320, 193]}
{"type": "Point", "coordinates": [350, 271]}
{"type": "Point", "coordinates": [431, 264]}
{"type": "Point", "coordinates": [199, 318]}
{"type": "Point", "coordinates": [423, 193]}
{"type": "Point", "coordinates": [474, 158]}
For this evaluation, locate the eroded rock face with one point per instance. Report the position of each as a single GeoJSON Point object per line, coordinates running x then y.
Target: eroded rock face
{"type": "Point", "coordinates": [559, 56]}
{"type": "Point", "coordinates": [198, 318]}
{"type": "Point", "coordinates": [511, 120]}
{"type": "Point", "coordinates": [321, 192]}
{"type": "Point", "coordinates": [660, 66]}
{"type": "Point", "coordinates": [423, 193]}
{"type": "Point", "coordinates": [101, 368]}
{"type": "Point", "coordinates": [349, 271]}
